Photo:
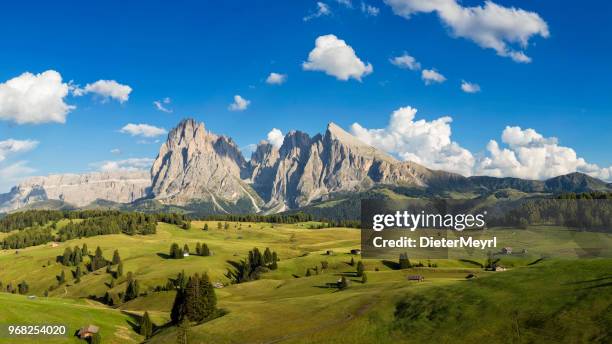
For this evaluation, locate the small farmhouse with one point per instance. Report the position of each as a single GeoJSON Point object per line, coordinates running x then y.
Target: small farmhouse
{"type": "Point", "coordinates": [87, 331]}
{"type": "Point", "coordinates": [355, 251]}
{"type": "Point", "coordinates": [507, 250]}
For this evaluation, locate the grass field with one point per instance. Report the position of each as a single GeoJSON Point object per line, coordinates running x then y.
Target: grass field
{"type": "Point", "coordinates": [285, 306]}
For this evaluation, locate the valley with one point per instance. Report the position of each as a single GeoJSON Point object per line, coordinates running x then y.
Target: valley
{"type": "Point", "coordinates": [294, 304]}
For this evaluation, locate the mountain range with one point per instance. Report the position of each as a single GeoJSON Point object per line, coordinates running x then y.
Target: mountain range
{"type": "Point", "coordinates": [207, 173]}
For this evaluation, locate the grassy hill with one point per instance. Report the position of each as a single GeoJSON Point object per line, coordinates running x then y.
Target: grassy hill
{"type": "Point", "coordinates": [286, 306]}
{"type": "Point", "coordinates": [18, 309]}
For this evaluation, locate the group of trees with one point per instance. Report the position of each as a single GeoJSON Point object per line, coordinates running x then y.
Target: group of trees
{"type": "Point", "coordinates": [177, 253]}
{"type": "Point", "coordinates": [30, 237]}
{"type": "Point", "coordinates": [34, 229]}
{"type": "Point", "coordinates": [255, 264]}
{"type": "Point", "coordinates": [585, 211]}
{"type": "Point", "coordinates": [195, 301]}
{"type": "Point", "coordinates": [22, 288]}
{"type": "Point", "coordinates": [275, 218]}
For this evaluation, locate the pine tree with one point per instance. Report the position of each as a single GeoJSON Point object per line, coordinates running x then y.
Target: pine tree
{"type": "Point", "coordinates": [120, 270]}
{"type": "Point", "coordinates": [132, 290]}
{"type": "Point", "coordinates": [404, 262]}
{"type": "Point", "coordinates": [364, 278]}
{"type": "Point", "coordinates": [67, 256]}
{"type": "Point", "coordinates": [360, 268]}
{"type": "Point", "coordinates": [308, 274]}
{"type": "Point", "coordinates": [198, 249]}
{"type": "Point", "coordinates": [206, 226]}
{"type": "Point", "coordinates": [23, 287]}
{"type": "Point", "coordinates": [205, 250]}
{"type": "Point", "coordinates": [61, 278]}
{"type": "Point", "coordinates": [274, 264]}
{"type": "Point", "coordinates": [98, 261]}
{"type": "Point", "coordinates": [267, 257]}
{"type": "Point", "coordinates": [78, 273]}
{"type": "Point", "coordinates": [146, 326]}
{"type": "Point", "coordinates": [77, 256]}
{"type": "Point", "coordinates": [84, 250]}
{"type": "Point", "coordinates": [116, 258]}
{"type": "Point", "coordinates": [352, 263]}
{"type": "Point", "coordinates": [185, 249]}
{"type": "Point", "coordinates": [343, 284]}
{"type": "Point", "coordinates": [175, 251]}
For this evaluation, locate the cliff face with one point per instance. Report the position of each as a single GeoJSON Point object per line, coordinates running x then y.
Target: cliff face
{"type": "Point", "coordinates": [310, 168]}
{"type": "Point", "coordinates": [78, 189]}
{"type": "Point", "coordinates": [194, 165]}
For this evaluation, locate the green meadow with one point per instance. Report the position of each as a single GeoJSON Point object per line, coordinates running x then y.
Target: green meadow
{"type": "Point", "coordinates": [546, 296]}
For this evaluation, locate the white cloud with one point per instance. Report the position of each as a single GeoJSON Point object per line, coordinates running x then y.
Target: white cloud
{"type": "Point", "coordinates": [346, 3]}
{"type": "Point", "coordinates": [369, 10]}
{"type": "Point", "coordinates": [322, 10]}
{"type": "Point", "coordinates": [503, 29]}
{"type": "Point", "coordinates": [405, 61]}
{"type": "Point", "coordinates": [527, 154]}
{"type": "Point", "coordinates": [11, 146]}
{"type": "Point", "coordinates": [132, 164]}
{"type": "Point", "coordinates": [35, 98]}
{"type": "Point", "coordinates": [469, 87]}
{"type": "Point", "coordinates": [276, 137]}
{"type": "Point", "coordinates": [106, 89]}
{"type": "Point", "coordinates": [427, 143]}
{"type": "Point", "coordinates": [161, 105]}
{"type": "Point", "coordinates": [530, 155]}
{"type": "Point", "coordinates": [276, 78]}
{"type": "Point", "coordinates": [115, 151]}
{"type": "Point", "coordinates": [334, 57]}
{"type": "Point", "coordinates": [144, 130]}
{"type": "Point", "coordinates": [431, 76]}
{"type": "Point", "coordinates": [239, 104]}
{"type": "Point", "coordinates": [13, 174]}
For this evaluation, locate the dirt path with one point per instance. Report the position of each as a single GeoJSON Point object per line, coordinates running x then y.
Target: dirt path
{"type": "Point", "coordinates": [361, 310]}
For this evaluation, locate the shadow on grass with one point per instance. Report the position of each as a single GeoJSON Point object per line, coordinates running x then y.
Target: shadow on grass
{"type": "Point", "coordinates": [391, 264]}
{"type": "Point", "coordinates": [164, 255]}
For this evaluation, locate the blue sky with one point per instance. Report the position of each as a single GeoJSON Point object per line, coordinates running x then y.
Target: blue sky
{"type": "Point", "coordinates": [201, 54]}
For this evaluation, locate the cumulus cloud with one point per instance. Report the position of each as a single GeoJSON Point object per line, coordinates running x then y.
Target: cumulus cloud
{"type": "Point", "coordinates": [115, 151]}
{"type": "Point", "coordinates": [431, 76]}
{"type": "Point", "coordinates": [106, 89]}
{"type": "Point", "coordinates": [503, 29]}
{"type": "Point", "coordinates": [35, 98]}
{"type": "Point", "coordinates": [161, 105]}
{"type": "Point", "coordinates": [345, 3]}
{"type": "Point", "coordinates": [530, 155]}
{"type": "Point", "coordinates": [12, 174]}
{"type": "Point", "coordinates": [276, 78]}
{"type": "Point", "coordinates": [11, 146]}
{"type": "Point", "coordinates": [469, 87]}
{"type": "Point", "coordinates": [132, 164]}
{"type": "Point", "coordinates": [144, 130]}
{"type": "Point", "coordinates": [369, 10]}
{"type": "Point", "coordinates": [239, 104]}
{"type": "Point", "coordinates": [322, 10]}
{"type": "Point", "coordinates": [427, 143]}
{"type": "Point", "coordinates": [405, 61]}
{"type": "Point", "coordinates": [336, 58]}
{"type": "Point", "coordinates": [526, 153]}
{"type": "Point", "coordinates": [276, 137]}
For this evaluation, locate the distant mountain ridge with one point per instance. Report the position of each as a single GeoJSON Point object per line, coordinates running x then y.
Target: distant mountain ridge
{"type": "Point", "coordinates": [77, 190]}
{"type": "Point", "coordinates": [197, 169]}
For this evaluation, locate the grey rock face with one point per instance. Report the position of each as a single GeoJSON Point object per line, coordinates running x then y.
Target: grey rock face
{"type": "Point", "coordinates": [196, 165]}
{"type": "Point", "coordinates": [78, 189]}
